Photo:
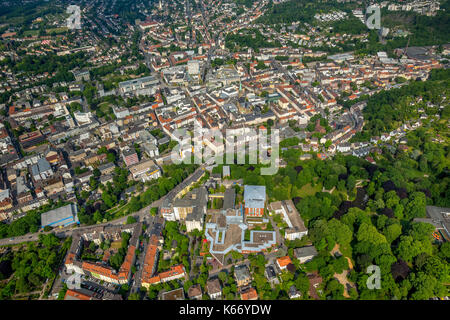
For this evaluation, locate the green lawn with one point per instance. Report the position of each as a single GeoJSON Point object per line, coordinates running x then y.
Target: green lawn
{"type": "Point", "coordinates": [57, 30]}
{"type": "Point", "coordinates": [308, 190]}
{"type": "Point", "coordinates": [29, 33]}
{"type": "Point", "coordinates": [104, 107]}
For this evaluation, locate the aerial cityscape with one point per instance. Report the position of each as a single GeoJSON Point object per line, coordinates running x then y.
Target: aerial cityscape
{"type": "Point", "coordinates": [224, 150]}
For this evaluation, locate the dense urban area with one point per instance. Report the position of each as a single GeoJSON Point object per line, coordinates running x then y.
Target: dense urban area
{"type": "Point", "coordinates": [93, 207]}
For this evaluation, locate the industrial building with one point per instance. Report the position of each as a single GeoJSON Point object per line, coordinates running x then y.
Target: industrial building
{"type": "Point", "coordinates": [63, 216]}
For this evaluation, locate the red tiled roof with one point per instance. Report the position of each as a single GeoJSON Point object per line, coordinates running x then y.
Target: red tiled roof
{"type": "Point", "coordinates": [250, 294]}
{"type": "Point", "coordinates": [284, 261]}
{"type": "Point", "coordinates": [75, 294]}
{"type": "Point", "coordinates": [150, 258]}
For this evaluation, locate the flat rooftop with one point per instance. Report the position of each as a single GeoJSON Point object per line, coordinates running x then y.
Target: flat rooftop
{"type": "Point", "coordinates": [229, 199]}
{"type": "Point", "coordinates": [294, 216]}
{"type": "Point", "coordinates": [177, 294]}
{"type": "Point", "coordinates": [62, 216]}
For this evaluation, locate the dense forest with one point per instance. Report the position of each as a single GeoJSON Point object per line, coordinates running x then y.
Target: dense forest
{"type": "Point", "coordinates": [49, 63]}
{"type": "Point", "coordinates": [352, 25]}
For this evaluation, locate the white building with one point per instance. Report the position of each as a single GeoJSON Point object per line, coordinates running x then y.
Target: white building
{"type": "Point", "coordinates": [296, 227]}
{"type": "Point", "coordinates": [145, 171]}
{"type": "Point", "coordinates": [193, 67]}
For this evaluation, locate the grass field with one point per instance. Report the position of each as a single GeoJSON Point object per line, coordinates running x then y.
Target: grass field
{"type": "Point", "coordinates": [116, 244]}
{"type": "Point", "coordinates": [308, 190]}
{"type": "Point", "coordinates": [104, 107]}
{"type": "Point", "coordinates": [30, 33]}
{"type": "Point", "coordinates": [57, 30]}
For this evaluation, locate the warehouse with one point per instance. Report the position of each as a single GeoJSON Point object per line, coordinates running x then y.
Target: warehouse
{"type": "Point", "coordinates": [63, 216]}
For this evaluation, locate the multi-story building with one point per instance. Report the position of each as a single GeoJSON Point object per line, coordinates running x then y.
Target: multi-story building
{"type": "Point", "coordinates": [296, 227]}
{"type": "Point", "coordinates": [249, 294]}
{"type": "Point", "coordinates": [174, 273]}
{"type": "Point", "coordinates": [283, 262]}
{"type": "Point", "coordinates": [242, 276]}
{"type": "Point", "coordinates": [41, 170]}
{"type": "Point", "coordinates": [141, 86]}
{"type": "Point", "coordinates": [254, 200]}
{"type": "Point", "coordinates": [130, 157]}
{"type": "Point", "coordinates": [305, 254]}
{"type": "Point", "coordinates": [81, 75]}
{"type": "Point", "coordinates": [150, 261]}
{"type": "Point", "coordinates": [5, 200]}
{"type": "Point", "coordinates": [30, 140]}
{"type": "Point", "coordinates": [195, 292]}
{"type": "Point", "coordinates": [227, 232]}
{"type": "Point", "coordinates": [100, 270]}
{"type": "Point", "coordinates": [145, 170]}
{"type": "Point", "coordinates": [192, 208]}
{"type": "Point", "coordinates": [214, 289]}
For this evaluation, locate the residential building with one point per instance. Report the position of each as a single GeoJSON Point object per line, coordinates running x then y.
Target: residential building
{"type": "Point", "coordinates": [177, 294]}
{"type": "Point", "coordinates": [294, 293]}
{"type": "Point", "coordinates": [249, 294]}
{"type": "Point", "coordinates": [192, 208]}
{"type": "Point", "coordinates": [315, 281]}
{"type": "Point", "coordinates": [283, 262]}
{"type": "Point", "coordinates": [214, 289]}
{"type": "Point", "coordinates": [100, 270]}
{"type": "Point", "coordinates": [271, 275]}
{"type": "Point", "coordinates": [130, 157]}
{"type": "Point", "coordinates": [106, 168]}
{"type": "Point", "coordinates": [195, 292]}
{"type": "Point", "coordinates": [305, 254]}
{"type": "Point", "coordinates": [174, 273]}
{"type": "Point", "coordinates": [242, 276]}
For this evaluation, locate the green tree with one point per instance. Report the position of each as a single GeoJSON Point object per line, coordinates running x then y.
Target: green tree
{"type": "Point", "coordinates": [392, 232]}
{"type": "Point", "coordinates": [131, 220]}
